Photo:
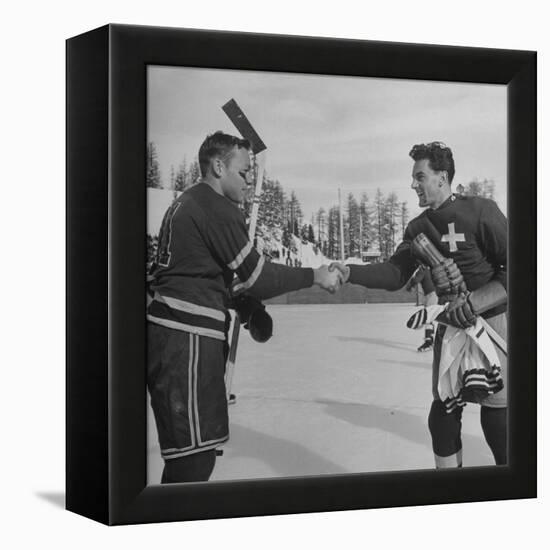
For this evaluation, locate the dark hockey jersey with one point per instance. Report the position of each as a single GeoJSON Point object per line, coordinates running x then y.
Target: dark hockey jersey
{"type": "Point", "coordinates": [203, 243]}
{"type": "Point", "coordinates": [471, 230]}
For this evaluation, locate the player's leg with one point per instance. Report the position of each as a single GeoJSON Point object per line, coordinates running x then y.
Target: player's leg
{"type": "Point", "coordinates": [429, 300]}
{"type": "Point", "coordinates": [494, 425]}
{"type": "Point", "coordinates": [185, 382]}
{"type": "Point", "coordinates": [168, 359]}
{"type": "Point", "coordinates": [494, 407]}
{"type": "Point", "coordinates": [428, 343]}
{"type": "Point", "coordinates": [445, 429]}
{"type": "Point", "coordinates": [195, 467]}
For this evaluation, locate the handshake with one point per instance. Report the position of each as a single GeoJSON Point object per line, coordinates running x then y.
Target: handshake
{"type": "Point", "coordinates": [331, 277]}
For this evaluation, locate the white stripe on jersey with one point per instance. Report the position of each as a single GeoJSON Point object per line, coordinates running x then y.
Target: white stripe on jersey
{"type": "Point", "coordinates": [239, 258]}
{"type": "Point", "coordinates": [193, 356]}
{"type": "Point", "coordinates": [194, 391]}
{"type": "Point", "coordinates": [189, 307]}
{"type": "Point", "coordinates": [211, 333]}
{"type": "Point", "coordinates": [239, 287]}
{"type": "Point", "coordinates": [165, 453]}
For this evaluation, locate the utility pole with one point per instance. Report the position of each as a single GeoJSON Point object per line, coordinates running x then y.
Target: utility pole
{"type": "Point", "coordinates": [360, 234]}
{"type": "Point", "coordinates": [342, 254]}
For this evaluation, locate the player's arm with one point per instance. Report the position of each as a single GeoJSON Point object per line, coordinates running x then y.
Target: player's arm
{"type": "Point", "coordinates": [463, 310]}
{"type": "Point", "coordinates": [387, 275]}
{"type": "Point", "coordinates": [493, 230]}
{"type": "Point", "coordinates": [255, 276]}
{"type": "Point", "coordinates": [275, 279]}
{"type": "Point", "coordinates": [390, 275]}
{"type": "Point", "coordinates": [493, 239]}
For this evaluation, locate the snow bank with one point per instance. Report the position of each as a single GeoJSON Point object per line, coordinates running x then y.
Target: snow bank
{"type": "Point", "coordinates": [158, 201]}
{"type": "Point", "coordinates": [268, 240]}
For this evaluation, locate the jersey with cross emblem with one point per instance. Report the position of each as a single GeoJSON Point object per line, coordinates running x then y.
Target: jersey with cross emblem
{"type": "Point", "coordinates": [471, 230]}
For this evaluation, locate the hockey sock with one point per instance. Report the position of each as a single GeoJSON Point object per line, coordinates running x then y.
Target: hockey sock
{"type": "Point", "coordinates": [445, 430]}
{"type": "Point", "coordinates": [429, 333]}
{"type": "Point", "coordinates": [493, 423]}
{"type": "Point", "coordinates": [195, 467]}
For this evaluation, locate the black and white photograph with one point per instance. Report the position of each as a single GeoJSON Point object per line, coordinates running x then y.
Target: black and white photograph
{"type": "Point", "coordinates": [327, 274]}
{"type": "Point", "coordinates": [271, 156]}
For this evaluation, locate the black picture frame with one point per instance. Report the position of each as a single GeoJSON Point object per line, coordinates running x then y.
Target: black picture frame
{"type": "Point", "coordinates": [106, 249]}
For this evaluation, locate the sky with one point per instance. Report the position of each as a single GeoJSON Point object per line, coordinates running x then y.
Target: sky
{"type": "Point", "coordinates": [329, 132]}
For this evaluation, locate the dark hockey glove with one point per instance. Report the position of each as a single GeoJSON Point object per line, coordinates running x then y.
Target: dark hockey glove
{"type": "Point", "coordinates": [447, 278]}
{"type": "Point", "coordinates": [254, 317]}
{"type": "Point", "coordinates": [460, 312]}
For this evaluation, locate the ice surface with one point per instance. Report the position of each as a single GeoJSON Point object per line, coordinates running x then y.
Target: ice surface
{"type": "Point", "coordinates": [338, 389]}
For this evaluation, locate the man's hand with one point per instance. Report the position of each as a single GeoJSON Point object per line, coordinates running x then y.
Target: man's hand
{"type": "Point", "coordinates": [447, 278]}
{"type": "Point", "coordinates": [342, 268]}
{"type": "Point", "coordinates": [327, 278]}
{"type": "Point", "coordinates": [254, 317]}
{"type": "Point", "coordinates": [460, 312]}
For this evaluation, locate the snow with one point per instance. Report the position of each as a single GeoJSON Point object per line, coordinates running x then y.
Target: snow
{"type": "Point", "coordinates": [305, 253]}
{"type": "Point", "coordinates": [158, 201]}
{"type": "Point", "coordinates": [338, 389]}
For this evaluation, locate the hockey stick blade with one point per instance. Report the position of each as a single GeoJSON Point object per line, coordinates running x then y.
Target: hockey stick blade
{"type": "Point", "coordinates": [238, 118]}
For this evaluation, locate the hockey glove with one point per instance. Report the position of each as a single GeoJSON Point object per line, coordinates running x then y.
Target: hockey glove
{"type": "Point", "coordinates": [460, 312]}
{"type": "Point", "coordinates": [254, 317]}
{"type": "Point", "coordinates": [447, 278]}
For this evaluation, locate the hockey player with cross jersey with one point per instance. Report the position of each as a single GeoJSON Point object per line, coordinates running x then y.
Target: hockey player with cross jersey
{"type": "Point", "coordinates": [471, 232]}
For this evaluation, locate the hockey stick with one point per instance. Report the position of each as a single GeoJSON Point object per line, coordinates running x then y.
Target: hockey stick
{"type": "Point", "coordinates": [424, 249]}
{"type": "Point", "coordinates": [241, 122]}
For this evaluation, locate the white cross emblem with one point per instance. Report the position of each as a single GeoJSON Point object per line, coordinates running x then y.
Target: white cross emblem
{"type": "Point", "coordinates": [452, 238]}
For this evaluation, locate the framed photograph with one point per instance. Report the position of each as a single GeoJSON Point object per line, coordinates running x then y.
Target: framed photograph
{"type": "Point", "coordinates": [277, 368]}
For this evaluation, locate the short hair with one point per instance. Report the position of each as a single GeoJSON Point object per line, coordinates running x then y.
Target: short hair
{"type": "Point", "coordinates": [216, 145]}
{"type": "Point", "coordinates": [440, 157]}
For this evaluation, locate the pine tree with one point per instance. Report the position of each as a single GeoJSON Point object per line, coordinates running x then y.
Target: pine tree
{"type": "Point", "coordinates": [393, 213]}
{"type": "Point", "coordinates": [404, 218]}
{"type": "Point", "coordinates": [182, 179]}
{"type": "Point", "coordinates": [294, 213]}
{"type": "Point", "coordinates": [320, 223]}
{"type": "Point", "coordinates": [153, 168]}
{"type": "Point", "coordinates": [172, 178]}
{"type": "Point", "coordinates": [270, 212]}
{"type": "Point", "coordinates": [173, 182]}
{"type": "Point", "coordinates": [477, 188]}
{"type": "Point", "coordinates": [310, 234]}
{"type": "Point", "coordinates": [285, 241]}
{"type": "Point", "coordinates": [304, 233]}
{"type": "Point", "coordinates": [333, 237]}
{"type": "Point", "coordinates": [381, 227]}
{"type": "Point", "coordinates": [368, 231]}
{"type": "Point", "coordinates": [488, 189]}
{"type": "Point", "coordinates": [353, 227]}
{"type": "Point", "coordinates": [194, 172]}
{"type": "Point", "coordinates": [474, 188]}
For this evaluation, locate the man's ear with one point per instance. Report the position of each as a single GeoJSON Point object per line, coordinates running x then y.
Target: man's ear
{"type": "Point", "coordinates": [443, 177]}
{"type": "Point", "coordinates": [216, 166]}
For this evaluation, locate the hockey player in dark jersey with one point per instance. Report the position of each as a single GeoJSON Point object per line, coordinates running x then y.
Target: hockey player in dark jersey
{"type": "Point", "coordinates": [204, 255]}
{"type": "Point", "coordinates": [471, 232]}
